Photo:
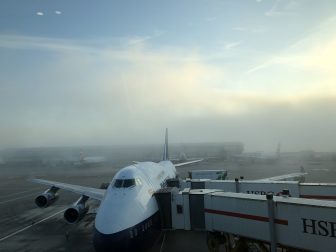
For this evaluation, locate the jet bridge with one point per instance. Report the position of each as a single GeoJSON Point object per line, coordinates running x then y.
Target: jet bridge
{"type": "Point", "coordinates": [323, 191]}
{"type": "Point", "coordinates": [273, 221]}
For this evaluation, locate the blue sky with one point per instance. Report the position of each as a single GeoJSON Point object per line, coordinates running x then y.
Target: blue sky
{"type": "Point", "coordinates": [86, 72]}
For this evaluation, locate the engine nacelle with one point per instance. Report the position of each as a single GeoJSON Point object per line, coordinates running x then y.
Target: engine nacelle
{"type": "Point", "coordinates": [47, 198]}
{"type": "Point", "coordinates": [75, 213]}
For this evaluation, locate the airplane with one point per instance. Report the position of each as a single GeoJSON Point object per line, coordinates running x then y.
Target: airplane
{"type": "Point", "coordinates": [90, 160]}
{"type": "Point", "coordinates": [128, 217]}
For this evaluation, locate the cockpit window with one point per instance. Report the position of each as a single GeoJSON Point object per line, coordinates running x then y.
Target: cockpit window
{"type": "Point", "coordinates": [118, 183]}
{"type": "Point", "coordinates": [138, 181]}
{"type": "Point", "coordinates": [129, 182]}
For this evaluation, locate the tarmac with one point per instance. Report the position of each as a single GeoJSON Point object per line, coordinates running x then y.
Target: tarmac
{"type": "Point", "coordinates": [25, 227]}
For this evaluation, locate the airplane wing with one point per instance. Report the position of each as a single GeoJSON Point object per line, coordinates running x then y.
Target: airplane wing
{"type": "Point", "coordinates": [286, 177]}
{"type": "Point", "coordinates": [90, 192]}
{"type": "Point", "coordinates": [188, 162]}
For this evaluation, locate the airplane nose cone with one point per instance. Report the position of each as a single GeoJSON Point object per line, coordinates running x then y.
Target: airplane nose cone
{"type": "Point", "coordinates": [110, 242]}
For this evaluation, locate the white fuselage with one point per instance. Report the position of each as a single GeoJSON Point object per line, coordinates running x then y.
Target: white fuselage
{"type": "Point", "coordinates": [127, 208]}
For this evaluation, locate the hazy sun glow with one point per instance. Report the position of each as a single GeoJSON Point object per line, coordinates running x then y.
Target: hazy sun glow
{"type": "Point", "coordinates": [228, 77]}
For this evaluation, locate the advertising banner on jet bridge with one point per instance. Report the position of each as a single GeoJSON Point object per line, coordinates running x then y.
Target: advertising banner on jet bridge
{"type": "Point", "coordinates": [300, 223]}
{"type": "Point", "coordinates": [311, 223]}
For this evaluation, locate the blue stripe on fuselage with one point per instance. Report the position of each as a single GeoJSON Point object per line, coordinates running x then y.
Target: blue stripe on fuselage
{"type": "Point", "coordinates": [137, 238]}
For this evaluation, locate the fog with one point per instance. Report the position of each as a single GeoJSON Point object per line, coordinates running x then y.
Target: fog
{"type": "Point", "coordinates": [73, 91]}
{"type": "Point", "coordinates": [309, 125]}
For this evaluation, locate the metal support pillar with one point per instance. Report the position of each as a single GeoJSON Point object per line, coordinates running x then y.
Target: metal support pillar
{"type": "Point", "coordinates": [270, 204]}
{"type": "Point", "coordinates": [237, 185]}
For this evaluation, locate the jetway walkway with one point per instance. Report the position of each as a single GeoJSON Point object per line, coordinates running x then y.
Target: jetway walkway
{"type": "Point", "coordinates": [272, 221]}
{"type": "Point", "coordinates": [323, 191]}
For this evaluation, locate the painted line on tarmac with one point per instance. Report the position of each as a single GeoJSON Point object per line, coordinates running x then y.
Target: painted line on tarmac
{"type": "Point", "coordinates": [27, 227]}
{"type": "Point", "coordinates": [22, 197]}
{"type": "Point", "coordinates": [12, 194]}
{"type": "Point", "coordinates": [164, 238]}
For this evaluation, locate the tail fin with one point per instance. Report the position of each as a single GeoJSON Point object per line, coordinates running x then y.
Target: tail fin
{"type": "Point", "coordinates": [81, 156]}
{"type": "Point", "coordinates": [278, 149]}
{"type": "Point", "coordinates": [302, 169]}
{"type": "Point", "coordinates": [165, 148]}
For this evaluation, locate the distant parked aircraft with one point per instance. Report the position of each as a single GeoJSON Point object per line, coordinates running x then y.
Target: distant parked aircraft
{"type": "Point", "coordinates": [90, 160]}
{"type": "Point", "coordinates": [260, 156]}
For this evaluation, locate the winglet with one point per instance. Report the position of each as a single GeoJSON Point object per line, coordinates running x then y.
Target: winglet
{"type": "Point", "coordinates": [165, 148]}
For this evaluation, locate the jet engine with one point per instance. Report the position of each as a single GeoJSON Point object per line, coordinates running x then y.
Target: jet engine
{"type": "Point", "coordinates": [75, 213]}
{"type": "Point", "coordinates": [47, 198]}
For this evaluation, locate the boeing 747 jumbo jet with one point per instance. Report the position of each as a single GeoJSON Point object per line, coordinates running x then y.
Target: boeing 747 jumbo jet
{"type": "Point", "coordinates": [128, 216]}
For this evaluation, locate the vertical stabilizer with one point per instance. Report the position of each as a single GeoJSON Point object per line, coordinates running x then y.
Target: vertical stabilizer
{"type": "Point", "coordinates": [278, 150]}
{"type": "Point", "coordinates": [81, 157]}
{"type": "Point", "coordinates": [165, 147]}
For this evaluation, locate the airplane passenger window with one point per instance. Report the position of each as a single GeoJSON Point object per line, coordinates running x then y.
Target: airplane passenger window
{"type": "Point", "coordinates": [129, 182]}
